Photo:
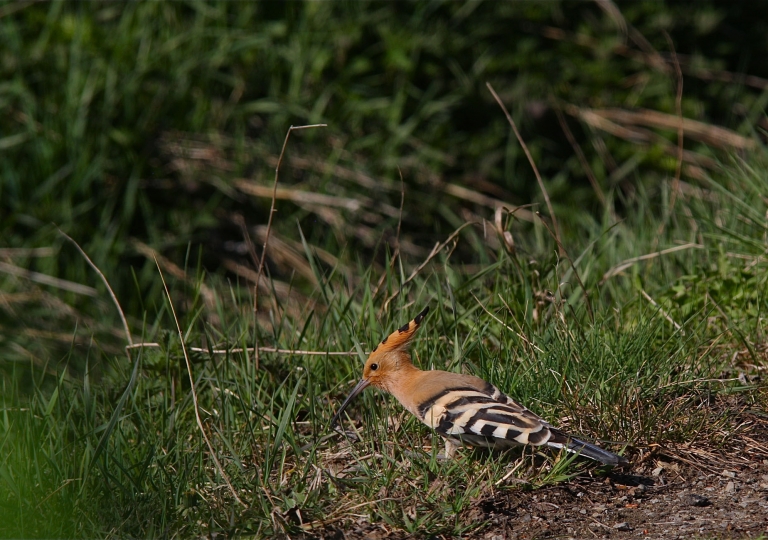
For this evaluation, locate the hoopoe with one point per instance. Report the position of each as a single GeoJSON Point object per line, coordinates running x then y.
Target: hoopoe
{"type": "Point", "coordinates": [463, 409]}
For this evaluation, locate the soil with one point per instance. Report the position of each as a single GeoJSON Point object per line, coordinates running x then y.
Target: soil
{"type": "Point", "coordinates": [677, 502]}
{"type": "Point", "coordinates": [680, 491]}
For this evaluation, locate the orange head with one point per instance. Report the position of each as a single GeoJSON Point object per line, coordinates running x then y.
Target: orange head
{"type": "Point", "coordinates": [385, 359]}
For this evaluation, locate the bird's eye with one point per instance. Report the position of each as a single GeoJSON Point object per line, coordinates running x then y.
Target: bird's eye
{"type": "Point", "coordinates": [374, 367]}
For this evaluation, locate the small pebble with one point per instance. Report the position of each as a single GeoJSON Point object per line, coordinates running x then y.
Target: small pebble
{"type": "Point", "coordinates": [623, 526]}
{"type": "Point", "coordinates": [728, 474]}
{"type": "Point", "coordinates": [692, 499]}
{"type": "Point", "coordinates": [730, 487]}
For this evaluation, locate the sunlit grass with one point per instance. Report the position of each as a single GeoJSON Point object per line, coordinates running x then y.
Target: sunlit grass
{"type": "Point", "coordinates": [123, 455]}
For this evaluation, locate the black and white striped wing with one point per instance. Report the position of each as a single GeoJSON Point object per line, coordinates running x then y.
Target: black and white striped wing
{"type": "Point", "coordinates": [483, 418]}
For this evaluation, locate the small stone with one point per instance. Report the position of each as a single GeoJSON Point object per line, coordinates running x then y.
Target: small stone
{"type": "Point", "coordinates": [623, 526]}
{"type": "Point", "coordinates": [728, 474]}
{"type": "Point", "coordinates": [657, 471]}
{"type": "Point", "coordinates": [692, 499]}
{"type": "Point", "coordinates": [582, 511]}
{"type": "Point", "coordinates": [642, 488]}
{"type": "Point", "coordinates": [730, 487]}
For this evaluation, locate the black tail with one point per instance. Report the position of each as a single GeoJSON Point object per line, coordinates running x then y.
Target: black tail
{"type": "Point", "coordinates": [577, 446]}
{"type": "Point", "coordinates": [594, 452]}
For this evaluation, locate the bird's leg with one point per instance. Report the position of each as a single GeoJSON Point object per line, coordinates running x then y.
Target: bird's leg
{"type": "Point", "coordinates": [450, 450]}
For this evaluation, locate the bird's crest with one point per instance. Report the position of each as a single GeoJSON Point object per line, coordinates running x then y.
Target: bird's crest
{"type": "Point", "coordinates": [400, 338]}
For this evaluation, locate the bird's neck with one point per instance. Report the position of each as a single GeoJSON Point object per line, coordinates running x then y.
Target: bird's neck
{"type": "Point", "coordinates": [403, 382]}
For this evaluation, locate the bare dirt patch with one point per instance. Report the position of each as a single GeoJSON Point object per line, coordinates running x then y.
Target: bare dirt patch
{"type": "Point", "coordinates": [694, 490]}
{"type": "Point", "coordinates": [682, 491]}
{"type": "Point", "coordinates": [680, 502]}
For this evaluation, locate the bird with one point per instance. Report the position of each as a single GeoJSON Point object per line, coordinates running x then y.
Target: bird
{"type": "Point", "coordinates": [463, 409]}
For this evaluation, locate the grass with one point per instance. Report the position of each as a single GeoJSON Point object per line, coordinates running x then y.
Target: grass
{"type": "Point", "coordinates": [124, 456]}
{"type": "Point", "coordinates": [150, 132]}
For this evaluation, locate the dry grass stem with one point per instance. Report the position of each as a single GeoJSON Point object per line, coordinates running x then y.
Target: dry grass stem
{"type": "Point", "coordinates": [250, 187]}
{"type": "Point", "coordinates": [634, 260]}
{"type": "Point", "coordinates": [45, 279]}
{"type": "Point", "coordinates": [679, 112]}
{"type": "Point", "coordinates": [272, 209]}
{"type": "Point", "coordinates": [680, 137]}
{"type": "Point", "coordinates": [524, 339]}
{"type": "Point", "coordinates": [396, 252]}
{"type": "Point", "coordinates": [662, 311]}
{"type": "Point", "coordinates": [281, 289]}
{"type": "Point", "coordinates": [715, 136]}
{"type": "Point", "coordinates": [240, 222]}
{"type": "Point", "coordinates": [106, 284]}
{"type": "Point", "coordinates": [658, 61]}
{"type": "Point", "coordinates": [150, 345]}
{"type": "Point", "coordinates": [580, 155]}
{"type": "Point", "coordinates": [206, 292]}
{"type": "Point", "coordinates": [270, 349]}
{"type": "Point", "coordinates": [697, 162]}
{"type": "Point", "coordinates": [530, 160]}
{"type": "Point", "coordinates": [435, 250]}
{"type": "Point", "coordinates": [501, 230]}
{"type": "Point", "coordinates": [462, 192]}
{"type": "Point", "coordinates": [27, 252]}
{"type": "Point", "coordinates": [194, 391]}
{"type": "Point", "coordinates": [575, 270]}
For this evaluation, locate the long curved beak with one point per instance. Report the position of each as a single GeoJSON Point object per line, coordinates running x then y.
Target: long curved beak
{"type": "Point", "coordinates": [362, 385]}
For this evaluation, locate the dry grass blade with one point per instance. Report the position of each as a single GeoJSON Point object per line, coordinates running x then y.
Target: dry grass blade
{"type": "Point", "coordinates": [435, 250]}
{"type": "Point", "coordinates": [657, 61]}
{"type": "Point", "coordinates": [194, 391]}
{"type": "Point", "coordinates": [240, 222]}
{"type": "Point", "coordinates": [643, 136]}
{"type": "Point", "coordinates": [106, 283]}
{"type": "Point", "coordinates": [45, 279]}
{"type": "Point", "coordinates": [272, 209]}
{"type": "Point", "coordinates": [580, 155]}
{"type": "Point", "coordinates": [299, 196]}
{"type": "Point", "coordinates": [679, 112]}
{"type": "Point", "coordinates": [524, 339]}
{"type": "Point", "coordinates": [715, 136]}
{"type": "Point", "coordinates": [629, 262]}
{"type": "Point", "coordinates": [462, 192]}
{"type": "Point", "coordinates": [575, 271]}
{"type": "Point", "coordinates": [680, 137]}
{"type": "Point", "coordinates": [530, 160]}
{"type": "Point", "coordinates": [208, 295]}
{"type": "Point", "coordinates": [396, 253]}
{"type": "Point", "coordinates": [504, 234]}
{"type": "Point", "coordinates": [270, 349]}
{"type": "Point", "coordinates": [662, 311]}
{"type": "Point", "coordinates": [281, 289]}
{"type": "Point", "coordinates": [27, 252]}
